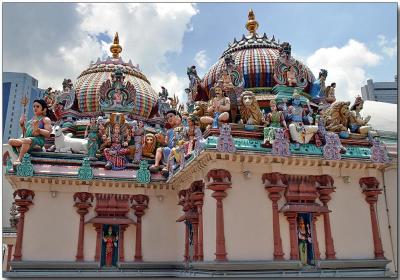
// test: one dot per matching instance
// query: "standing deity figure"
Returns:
(318, 87)
(115, 155)
(218, 107)
(358, 124)
(110, 240)
(162, 153)
(274, 120)
(320, 121)
(34, 131)
(304, 238)
(138, 133)
(299, 132)
(291, 77)
(330, 93)
(91, 133)
(192, 121)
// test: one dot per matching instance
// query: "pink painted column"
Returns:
(198, 197)
(371, 191)
(98, 228)
(9, 254)
(294, 249)
(83, 203)
(141, 203)
(23, 203)
(219, 182)
(314, 237)
(122, 229)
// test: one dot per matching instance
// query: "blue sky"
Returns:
(52, 41)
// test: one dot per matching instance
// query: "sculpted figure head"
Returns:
(149, 145)
(249, 109)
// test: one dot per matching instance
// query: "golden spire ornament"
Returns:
(115, 48)
(252, 24)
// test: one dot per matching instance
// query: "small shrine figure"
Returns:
(34, 131)
(91, 133)
(115, 155)
(200, 142)
(138, 133)
(318, 87)
(274, 120)
(111, 244)
(379, 151)
(281, 143)
(332, 147)
(225, 143)
(218, 107)
(358, 124)
(321, 122)
(299, 132)
(330, 93)
(162, 153)
(304, 239)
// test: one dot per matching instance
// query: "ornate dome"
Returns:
(89, 82)
(255, 55)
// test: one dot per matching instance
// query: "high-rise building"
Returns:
(380, 91)
(16, 86)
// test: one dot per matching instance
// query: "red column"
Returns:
(23, 203)
(142, 202)
(9, 254)
(314, 237)
(122, 229)
(371, 192)
(221, 181)
(274, 195)
(83, 203)
(98, 228)
(198, 202)
(186, 256)
(195, 224)
(324, 196)
(294, 249)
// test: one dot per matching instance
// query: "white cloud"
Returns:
(388, 48)
(346, 66)
(383, 115)
(201, 59)
(147, 33)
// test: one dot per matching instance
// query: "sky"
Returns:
(53, 41)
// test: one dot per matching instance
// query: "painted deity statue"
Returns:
(249, 110)
(330, 93)
(110, 240)
(358, 124)
(138, 133)
(115, 155)
(218, 107)
(299, 132)
(304, 239)
(149, 146)
(91, 133)
(162, 153)
(320, 121)
(190, 133)
(274, 120)
(318, 87)
(34, 131)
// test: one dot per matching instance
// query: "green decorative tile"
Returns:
(25, 169)
(85, 172)
(143, 175)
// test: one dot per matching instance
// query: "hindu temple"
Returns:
(262, 173)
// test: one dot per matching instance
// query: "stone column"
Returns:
(274, 195)
(195, 224)
(9, 254)
(314, 236)
(23, 203)
(325, 188)
(186, 256)
(324, 196)
(82, 203)
(122, 229)
(98, 228)
(198, 202)
(371, 191)
(141, 203)
(294, 248)
(219, 183)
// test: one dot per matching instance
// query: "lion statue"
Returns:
(149, 147)
(200, 110)
(337, 116)
(249, 110)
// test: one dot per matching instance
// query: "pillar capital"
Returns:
(274, 179)
(367, 183)
(219, 176)
(140, 203)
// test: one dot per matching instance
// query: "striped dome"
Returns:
(255, 56)
(89, 81)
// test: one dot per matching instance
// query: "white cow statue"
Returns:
(67, 144)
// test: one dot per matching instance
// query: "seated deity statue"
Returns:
(358, 124)
(34, 131)
(218, 107)
(330, 93)
(299, 132)
(116, 153)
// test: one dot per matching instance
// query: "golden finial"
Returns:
(115, 48)
(252, 24)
